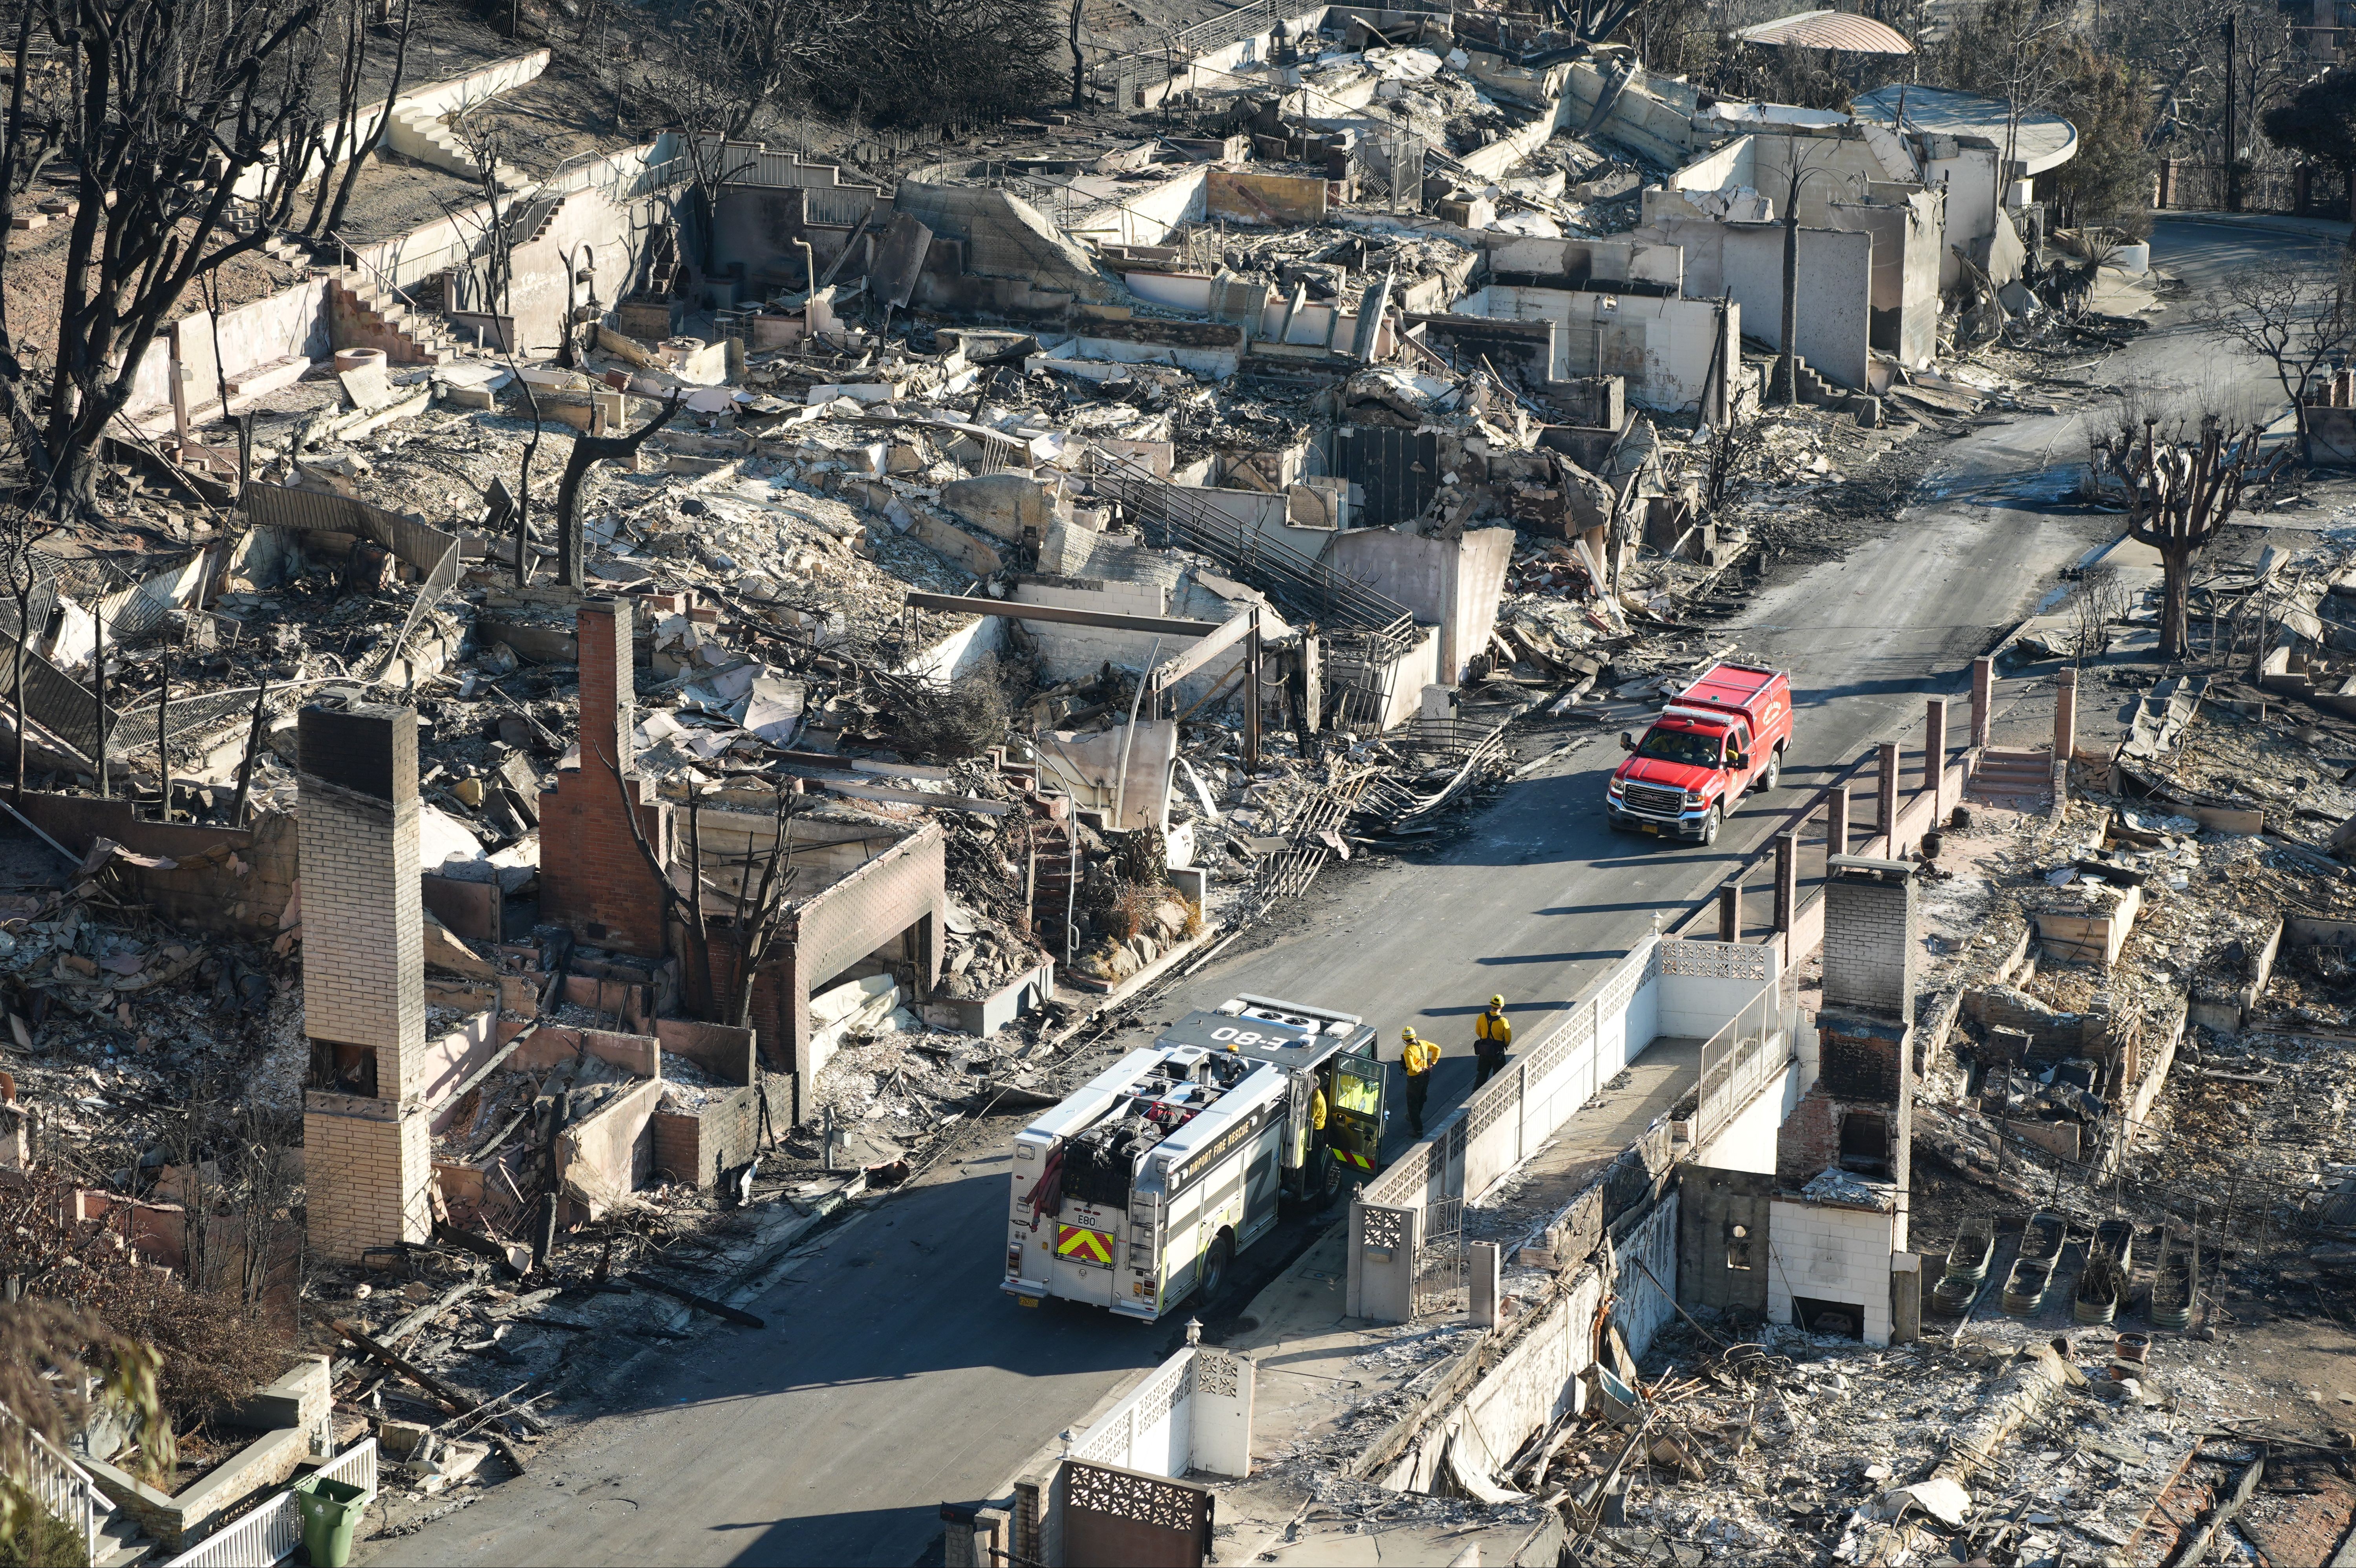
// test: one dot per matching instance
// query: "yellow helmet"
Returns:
(1407, 1035)
(1496, 1002)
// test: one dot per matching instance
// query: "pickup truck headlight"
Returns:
(1612, 788)
(1694, 797)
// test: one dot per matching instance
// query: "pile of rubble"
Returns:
(1804, 1447)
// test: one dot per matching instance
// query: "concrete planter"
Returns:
(290, 1414)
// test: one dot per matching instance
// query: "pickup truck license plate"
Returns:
(1028, 1300)
(1653, 828)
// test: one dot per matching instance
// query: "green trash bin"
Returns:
(331, 1511)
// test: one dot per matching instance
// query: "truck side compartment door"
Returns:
(1354, 1121)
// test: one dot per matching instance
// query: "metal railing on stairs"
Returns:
(355, 257)
(64, 1491)
(1300, 585)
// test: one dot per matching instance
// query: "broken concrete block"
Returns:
(403, 1439)
(1006, 506)
(446, 952)
(834, 1005)
(940, 536)
(458, 1460)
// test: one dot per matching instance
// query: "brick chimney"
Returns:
(368, 1153)
(591, 878)
(609, 698)
(1859, 1113)
(1869, 937)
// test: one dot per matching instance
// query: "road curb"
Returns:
(2279, 223)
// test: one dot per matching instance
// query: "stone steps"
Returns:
(375, 320)
(452, 154)
(121, 1542)
(2013, 772)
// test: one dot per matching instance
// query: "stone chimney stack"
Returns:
(1869, 937)
(368, 1153)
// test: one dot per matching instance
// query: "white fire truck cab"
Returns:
(1139, 1188)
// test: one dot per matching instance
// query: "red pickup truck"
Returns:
(1722, 735)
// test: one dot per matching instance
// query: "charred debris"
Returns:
(1084, 566)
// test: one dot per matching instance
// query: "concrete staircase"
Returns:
(1813, 387)
(2013, 775)
(533, 223)
(419, 132)
(363, 315)
(289, 253)
(121, 1542)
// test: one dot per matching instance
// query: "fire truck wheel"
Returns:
(1329, 1181)
(1214, 1266)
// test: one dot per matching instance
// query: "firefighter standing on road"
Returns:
(1493, 1034)
(1419, 1057)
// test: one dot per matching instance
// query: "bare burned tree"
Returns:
(1807, 164)
(523, 477)
(757, 906)
(1735, 447)
(34, 137)
(587, 452)
(758, 918)
(768, 54)
(340, 163)
(2178, 494)
(178, 123)
(21, 567)
(703, 110)
(2099, 601)
(496, 221)
(2301, 320)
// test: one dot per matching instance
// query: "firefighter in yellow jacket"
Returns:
(1493, 1036)
(1418, 1058)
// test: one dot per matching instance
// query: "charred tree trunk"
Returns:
(2176, 583)
(2179, 494)
(587, 452)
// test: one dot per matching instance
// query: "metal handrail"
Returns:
(387, 284)
(65, 1491)
(1309, 586)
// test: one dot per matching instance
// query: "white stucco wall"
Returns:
(1830, 1255)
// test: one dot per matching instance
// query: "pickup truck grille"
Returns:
(1651, 800)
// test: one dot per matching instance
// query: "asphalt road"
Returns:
(896, 1376)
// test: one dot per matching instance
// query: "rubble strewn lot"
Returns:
(581, 738)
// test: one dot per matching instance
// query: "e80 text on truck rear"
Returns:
(1139, 1188)
(1720, 737)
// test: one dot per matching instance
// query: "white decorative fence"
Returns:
(1192, 1413)
(1723, 993)
(269, 1533)
(63, 1488)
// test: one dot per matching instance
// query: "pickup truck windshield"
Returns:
(1681, 746)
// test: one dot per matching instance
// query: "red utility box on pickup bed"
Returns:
(1722, 735)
